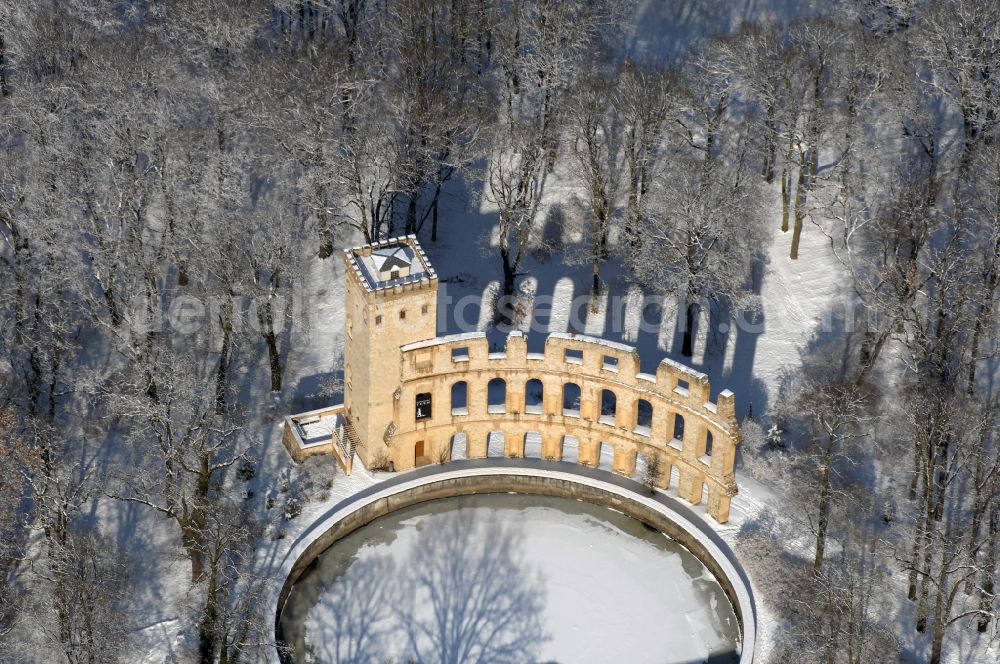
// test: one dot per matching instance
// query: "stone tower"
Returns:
(390, 298)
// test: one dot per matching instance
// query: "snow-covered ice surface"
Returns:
(606, 587)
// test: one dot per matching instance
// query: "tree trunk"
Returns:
(800, 205)
(112, 304)
(275, 361)
(434, 220)
(207, 635)
(598, 249)
(222, 373)
(266, 318)
(770, 146)
(869, 362)
(937, 644)
(411, 212)
(824, 504)
(191, 539)
(54, 364)
(786, 195)
(509, 271)
(687, 345)
(927, 540)
(987, 587)
(326, 239)
(919, 475)
(4, 89)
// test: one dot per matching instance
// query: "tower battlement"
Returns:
(390, 265)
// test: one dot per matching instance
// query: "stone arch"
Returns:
(678, 427)
(609, 405)
(641, 463)
(644, 416)
(533, 397)
(459, 446)
(495, 444)
(606, 457)
(460, 398)
(533, 445)
(571, 399)
(570, 449)
(496, 396)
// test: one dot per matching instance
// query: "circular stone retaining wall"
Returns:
(656, 511)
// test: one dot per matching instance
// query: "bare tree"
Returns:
(541, 48)
(271, 243)
(645, 99)
(704, 234)
(515, 177)
(183, 445)
(962, 47)
(596, 137)
(836, 410)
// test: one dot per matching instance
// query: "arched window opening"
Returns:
(459, 446)
(609, 404)
(678, 427)
(708, 443)
(533, 397)
(533, 445)
(606, 461)
(571, 400)
(496, 396)
(644, 417)
(495, 444)
(460, 398)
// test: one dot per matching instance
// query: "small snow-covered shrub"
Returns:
(753, 449)
(652, 472)
(246, 470)
(293, 508)
(317, 474)
(380, 462)
(284, 480)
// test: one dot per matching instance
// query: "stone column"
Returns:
(718, 502)
(475, 395)
(662, 419)
(690, 488)
(477, 444)
(625, 410)
(552, 396)
(513, 444)
(590, 402)
(551, 447)
(694, 436)
(624, 463)
(589, 451)
(515, 395)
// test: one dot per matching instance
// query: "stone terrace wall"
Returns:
(594, 365)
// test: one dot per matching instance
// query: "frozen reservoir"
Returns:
(509, 578)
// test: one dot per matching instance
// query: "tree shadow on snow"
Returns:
(464, 593)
